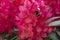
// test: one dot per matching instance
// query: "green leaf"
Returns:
(58, 33)
(53, 36)
(55, 23)
(51, 19)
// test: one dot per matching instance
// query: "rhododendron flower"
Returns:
(7, 16)
(25, 21)
(55, 4)
(30, 26)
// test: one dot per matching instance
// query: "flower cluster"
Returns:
(29, 16)
(7, 15)
(31, 21)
